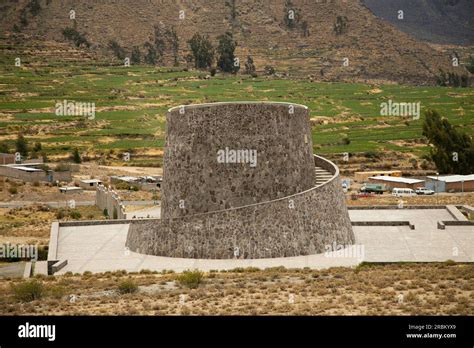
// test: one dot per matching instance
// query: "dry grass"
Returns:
(32, 224)
(39, 192)
(397, 289)
(442, 199)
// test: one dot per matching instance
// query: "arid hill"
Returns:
(439, 21)
(315, 44)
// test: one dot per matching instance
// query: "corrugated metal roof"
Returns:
(453, 178)
(91, 181)
(126, 178)
(70, 188)
(27, 169)
(397, 179)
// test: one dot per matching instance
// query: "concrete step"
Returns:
(322, 175)
(41, 267)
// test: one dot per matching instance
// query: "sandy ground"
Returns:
(98, 170)
(392, 289)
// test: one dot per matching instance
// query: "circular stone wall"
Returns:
(226, 155)
(275, 199)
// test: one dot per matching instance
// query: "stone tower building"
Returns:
(240, 181)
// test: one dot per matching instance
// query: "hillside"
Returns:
(438, 21)
(376, 50)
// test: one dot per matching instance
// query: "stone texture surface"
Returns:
(233, 210)
(279, 132)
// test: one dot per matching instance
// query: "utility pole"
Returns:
(436, 188)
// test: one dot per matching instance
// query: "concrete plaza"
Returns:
(101, 248)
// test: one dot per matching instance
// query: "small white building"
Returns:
(70, 189)
(124, 178)
(391, 182)
(451, 183)
(89, 184)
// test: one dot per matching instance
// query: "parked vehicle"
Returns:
(424, 191)
(373, 188)
(345, 187)
(403, 192)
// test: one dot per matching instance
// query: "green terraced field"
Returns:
(131, 104)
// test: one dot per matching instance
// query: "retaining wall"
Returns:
(301, 224)
(106, 198)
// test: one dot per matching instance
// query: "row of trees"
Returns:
(292, 18)
(203, 53)
(451, 79)
(31, 9)
(23, 147)
(154, 50)
(71, 34)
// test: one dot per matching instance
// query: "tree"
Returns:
(136, 55)
(470, 66)
(118, 50)
(225, 52)
(269, 70)
(452, 151)
(174, 43)
(202, 51)
(250, 67)
(151, 55)
(76, 157)
(451, 79)
(304, 28)
(341, 27)
(35, 7)
(73, 35)
(37, 147)
(4, 148)
(160, 43)
(233, 9)
(21, 145)
(291, 16)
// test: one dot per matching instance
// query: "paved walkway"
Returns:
(152, 213)
(102, 248)
(12, 270)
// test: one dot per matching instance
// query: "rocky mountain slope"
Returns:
(439, 21)
(324, 35)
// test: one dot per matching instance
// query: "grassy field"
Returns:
(131, 104)
(396, 289)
